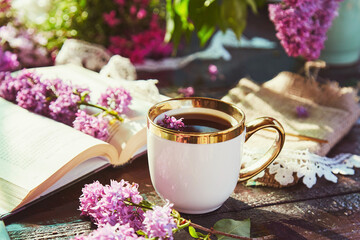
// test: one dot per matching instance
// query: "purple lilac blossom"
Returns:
(5, 5)
(110, 207)
(171, 122)
(110, 18)
(159, 223)
(302, 112)
(187, 92)
(118, 99)
(95, 126)
(11, 85)
(34, 99)
(138, 46)
(8, 61)
(28, 45)
(109, 232)
(213, 70)
(301, 25)
(65, 106)
(91, 195)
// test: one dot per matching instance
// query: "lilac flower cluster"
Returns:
(116, 98)
(106, 204)
(5, 5)
(159, 222)
(116, 232)
(146, 38)
(8, 61)
(302, 112)
(186, 92)
(26, 90)
(301, 25)
(91, 125)
(61, 101)
(117, 210)
(171, 122)
(28, 45)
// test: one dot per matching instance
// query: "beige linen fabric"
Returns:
(332, 110)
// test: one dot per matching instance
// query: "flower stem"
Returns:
(213, 231)
(108, 111)
(138, 205)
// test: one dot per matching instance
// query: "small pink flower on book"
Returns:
(213, 70)
(171, 122)
(302, 112)
(187, 92)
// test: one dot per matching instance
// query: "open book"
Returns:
(39, 155)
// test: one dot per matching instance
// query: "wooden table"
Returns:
(326, 211)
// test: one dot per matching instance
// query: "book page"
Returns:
(144, 94)
(34, 149)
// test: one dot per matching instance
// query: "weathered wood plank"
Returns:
(287, 210)
(327, 218)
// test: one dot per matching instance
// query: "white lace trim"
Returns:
(306, 165)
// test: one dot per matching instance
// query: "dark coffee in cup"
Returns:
(201, 122)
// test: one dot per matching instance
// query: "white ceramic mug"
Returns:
(197, 171)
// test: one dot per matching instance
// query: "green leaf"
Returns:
(234, 14)
(205, 33)
(170, 23)
(252, 4)
(204, 14)
(181, 8)
(240, 228)
(193, 232)
(140, 232)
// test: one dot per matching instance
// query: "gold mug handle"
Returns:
(271, 154)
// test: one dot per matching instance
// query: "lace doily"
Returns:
(305, 165)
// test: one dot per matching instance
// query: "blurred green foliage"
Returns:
(204, 17)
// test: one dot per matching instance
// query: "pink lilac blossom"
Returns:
(95, 126)
(8, 61)
(159, 223)
(65, 106)
(28, 45)
(10, 86)
(301, 25)
(60, 101)
(35, 98)
(120, 2)
(145, 44)
(66, 103)
(187, 92)
(110, 18)
(111, 207)
(213, 70)
(302, 112)
(109, 232)
(141, 14)
(171, 122)
(5, 5)
(118, 99)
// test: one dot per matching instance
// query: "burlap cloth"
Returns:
(332, 112)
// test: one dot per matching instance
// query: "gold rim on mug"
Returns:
(196, 137)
